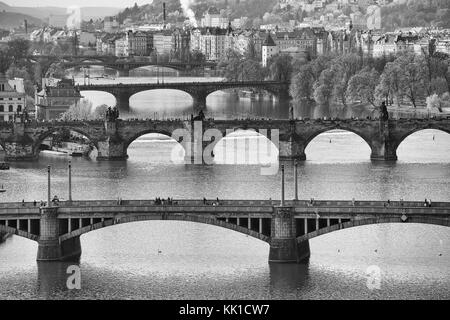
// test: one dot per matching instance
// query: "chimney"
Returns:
(25, 23)
(164, 14)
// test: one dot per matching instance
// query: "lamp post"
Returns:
(296, 179)
(48, 187)
(70, 181)
(282, 186)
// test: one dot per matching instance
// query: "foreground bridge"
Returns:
(199, 91)
(287, 229)
(21, 141)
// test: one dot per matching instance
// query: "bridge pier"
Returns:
(111, 149)
(20, 151)
(49, 246)
(123, 73)
(382, 146)
(283, 244)
(123, 101)
(291, 149)
(199, 100)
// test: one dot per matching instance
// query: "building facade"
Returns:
(12, 98)
(55, 99)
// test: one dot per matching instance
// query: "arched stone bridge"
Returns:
(199, 91)
(286, 229)
(122, 65)
(21, 141)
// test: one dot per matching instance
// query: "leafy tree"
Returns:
(323, 89)
(18, 49)
(81, 111)
(280, 68)
(363, 84)
(100, 112)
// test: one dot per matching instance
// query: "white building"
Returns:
(12, 98)
(269, 49)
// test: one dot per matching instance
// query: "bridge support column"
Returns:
(123, 73)
(283, 244)
(291, 150)
(382, 147)
(49, 246)
(199, 100)
(123, 101)
(113, 147)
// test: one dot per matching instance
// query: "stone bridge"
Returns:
(287, 229)
(21, 141)
(122, 65)
(199, 91)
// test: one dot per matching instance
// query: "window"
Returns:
(2, 108)
(19, 108)
(11, 109)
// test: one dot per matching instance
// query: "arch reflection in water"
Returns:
(337, 146)
(429, 146)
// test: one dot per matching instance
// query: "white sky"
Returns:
(81, 3)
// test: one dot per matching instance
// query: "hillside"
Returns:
(43, 12)
(14, 20)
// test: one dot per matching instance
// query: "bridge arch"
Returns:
(155, 91)
(247, 143)
(407, 134)
(309, 138)
(371, 221)
(41, 137)
(18, 232)
(184, 217)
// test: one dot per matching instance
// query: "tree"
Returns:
(18, 49)
(100, 112)
(323, 89)
(79, 111)
(343, 68)
(56, 71)
(389, 87)
(5, 60)
(280, 67)
(413, 80)
(197, 56)
(363, 84)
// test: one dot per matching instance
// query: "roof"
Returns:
(268, 42)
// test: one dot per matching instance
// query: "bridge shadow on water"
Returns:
(288, 277)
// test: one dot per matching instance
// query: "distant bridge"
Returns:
(21, 141)
(287, 229)
(199, 91)
(123, 65)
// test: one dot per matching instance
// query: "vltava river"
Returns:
(181, 260)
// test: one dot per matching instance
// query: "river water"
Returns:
(181, 260)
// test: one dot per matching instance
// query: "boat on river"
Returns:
(4, 166)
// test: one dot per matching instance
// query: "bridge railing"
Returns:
(229, 202)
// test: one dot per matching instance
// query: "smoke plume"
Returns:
(185, 5)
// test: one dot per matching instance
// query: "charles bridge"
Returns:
(21, 140)
(199, 91)
(286, 226)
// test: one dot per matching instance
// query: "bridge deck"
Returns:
(261, 208)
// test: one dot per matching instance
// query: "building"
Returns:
(110, 24)
(181, 45)
(55, 99)
(212, 42)
(269, 49)
(122, 46)
(212, 19)
(137, 44)
(162, 42)
(12, 98)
